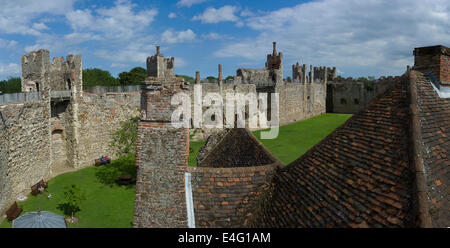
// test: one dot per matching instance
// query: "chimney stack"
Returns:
(274, 48)
(197, 77)
(157, 50)
(220, 73)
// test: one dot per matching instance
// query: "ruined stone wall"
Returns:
(222, 195)
(98, 116)
(299, 101)
(25, 151)
(350, 96)
(203, 133)
(39, 73)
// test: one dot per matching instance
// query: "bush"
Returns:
(108, 173)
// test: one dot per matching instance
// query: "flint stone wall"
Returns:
(98, 116)
(25, 150)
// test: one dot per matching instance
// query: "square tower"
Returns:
(160, 67)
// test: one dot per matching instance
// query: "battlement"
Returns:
(160, 67)
(38, 72)
(318, 74)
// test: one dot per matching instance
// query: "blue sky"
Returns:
(360, 38)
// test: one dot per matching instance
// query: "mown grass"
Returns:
(295, 139)
(106, 205)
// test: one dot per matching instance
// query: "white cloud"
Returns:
(117, 22)
(172, 37)
(189, 3)
(40, 26)
(213, 15)
(180, 62)
(361, 37)
(7, 43)
(172, 15)
(9, 69)
(212, 36)
(16, 16)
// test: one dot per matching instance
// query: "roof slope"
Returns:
(434, 117)
(236, 147)
(358, 176)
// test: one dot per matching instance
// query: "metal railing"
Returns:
(105, 89)
(19, 97)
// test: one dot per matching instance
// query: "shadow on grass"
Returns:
(67, 209)
(108, 173)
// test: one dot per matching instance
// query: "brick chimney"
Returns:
(436, 60)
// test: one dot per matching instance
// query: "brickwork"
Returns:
(435, 59)
(222, 196)
(162, 155)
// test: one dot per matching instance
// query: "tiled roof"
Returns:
(359, 176)
(236, 147)
(434, 117)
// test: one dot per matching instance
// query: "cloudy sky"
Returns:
(360, 38)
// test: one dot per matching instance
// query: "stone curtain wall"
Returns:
(221, 196)
(299, 101)
(98, 116)
(350, 96)
(25, 151)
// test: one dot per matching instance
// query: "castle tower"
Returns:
(160, 67)
(274, 63)
(59, 75)
(162, 153)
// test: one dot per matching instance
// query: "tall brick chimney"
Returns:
(436, 60)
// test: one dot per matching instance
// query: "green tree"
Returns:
(95, 76)
(288, 79)
(124, 139)
(187, 78)
(12, 85)
(229, 77)
(135, 76)
(73, 196)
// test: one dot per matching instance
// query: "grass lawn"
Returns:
(106, 205)
(295, 139)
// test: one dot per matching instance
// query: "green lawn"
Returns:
(110, 205)
(295, 139)
(106, 205)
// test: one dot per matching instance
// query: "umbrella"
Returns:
(39, 219)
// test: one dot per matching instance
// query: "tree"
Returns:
(73, 196)
(288, 79)
(187, 78)
(229, 78)
(124, 139)
(95, 76)
(12, 85)
(135, 76)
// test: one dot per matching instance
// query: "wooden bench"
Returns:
(13, 212)
(34, 188)
(98, 162)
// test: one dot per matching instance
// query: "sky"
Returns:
(360, 38)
